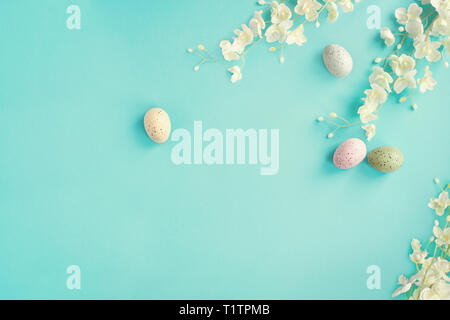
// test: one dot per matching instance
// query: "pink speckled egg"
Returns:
(350, 153)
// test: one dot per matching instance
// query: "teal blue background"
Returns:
(81, 183)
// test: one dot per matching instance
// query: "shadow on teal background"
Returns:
(81, 184)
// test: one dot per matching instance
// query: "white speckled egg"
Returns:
(337, 60)
(350, 153)
(157, 125)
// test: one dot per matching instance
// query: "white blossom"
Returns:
(387, 35)
(380, 77)
(427, 82)
(370, 131)
(365, 115)
(366, 112)
(442, 235)
(376, 95)
(441, 26)
(227, 51)
(296, 36)
(440, 204)
(243, 39)
(437, 270)
(427, 49)
(346, 5)
(431, 281)
(411, 19)
(333, 12)
(309, 8)
(405, 285)
(439, 291)
(280, 12)
(401, 65)
(405, 81)
(257, 24)
(418, 256)
(441, 6)
(236, 74)
(446, 43)
(278, 32)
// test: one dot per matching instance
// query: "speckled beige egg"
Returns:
(157, 125)
(385, 159)
(337, 60)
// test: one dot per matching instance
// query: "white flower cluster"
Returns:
(278, 28)
(428, 27)
(423, 34)
(431, 281)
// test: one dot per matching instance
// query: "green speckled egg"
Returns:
(386, 159)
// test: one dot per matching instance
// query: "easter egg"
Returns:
(157, 125)
(337, 60)
(350, 153)
(385, 159)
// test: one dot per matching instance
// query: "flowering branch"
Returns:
(277, 28)
(426, 29)
(431, 281)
